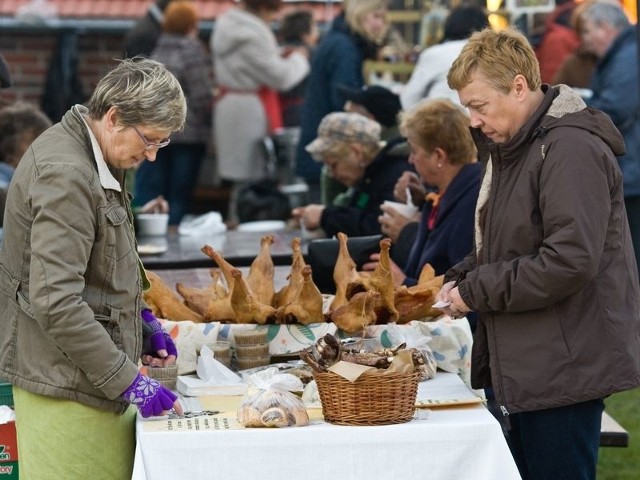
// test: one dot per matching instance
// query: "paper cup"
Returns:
(221, 351)
(407, 211)
(167, 376)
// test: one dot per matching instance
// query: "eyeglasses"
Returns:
(149, 145)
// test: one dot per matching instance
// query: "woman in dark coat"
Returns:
(354, 36)
(348, 144)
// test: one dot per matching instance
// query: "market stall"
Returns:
(459, 442)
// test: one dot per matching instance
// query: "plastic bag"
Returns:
(269, 402)
(419, 341)
(207, 224)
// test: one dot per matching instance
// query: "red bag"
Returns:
(270, 99)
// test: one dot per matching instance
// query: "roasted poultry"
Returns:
(260, 277)
(291, 290)
(219, 289)
(345, 274)
(358, 313)
(306, 308)
(197, 299)
(381, 281)
(165, 303)
(224, 266)
(415, 303)
(245, 307)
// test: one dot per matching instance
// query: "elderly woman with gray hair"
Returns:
(74, 324)
(349, 146)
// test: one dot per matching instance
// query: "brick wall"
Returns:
(28, 55)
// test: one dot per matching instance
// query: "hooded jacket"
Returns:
(554, 275)
(70, 277)
(452, 236)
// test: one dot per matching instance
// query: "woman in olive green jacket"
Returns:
(71, 282)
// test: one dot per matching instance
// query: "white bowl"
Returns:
(152, 224)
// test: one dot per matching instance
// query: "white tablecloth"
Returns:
(455, 443)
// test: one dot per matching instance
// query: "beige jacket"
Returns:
(246, 57)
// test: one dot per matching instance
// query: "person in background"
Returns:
(355, 35)
(558, 40)
(74, 325)
(175, 174)
(142, 38)
(429, 77)
(552, 274)
(20, 124)
(376, 103)
(444, 156)
(297, 29)
(606, 32)
(577, 68)
(382, 105)
(250, 71)
(349, 145)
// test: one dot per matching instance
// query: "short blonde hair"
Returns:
(355, 10)
(438, 123)
(498, 56)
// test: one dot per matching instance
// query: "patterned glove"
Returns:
(151, 397)
(159, 339)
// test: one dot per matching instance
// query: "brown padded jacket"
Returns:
(555, 278)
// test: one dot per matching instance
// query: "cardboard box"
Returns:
(8, 452)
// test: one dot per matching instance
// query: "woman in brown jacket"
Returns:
(553, 274)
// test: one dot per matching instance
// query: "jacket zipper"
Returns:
(497, 165)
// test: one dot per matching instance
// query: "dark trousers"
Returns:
(174, 175)
(557, 443)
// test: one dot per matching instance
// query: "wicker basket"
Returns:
(373, 399)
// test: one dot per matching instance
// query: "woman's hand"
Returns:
(417, 189)
(449, 293)
(160, 349)
(392, 222)
(309, 216)
(157, 205)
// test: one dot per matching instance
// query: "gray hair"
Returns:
(144, 92)
(606, 12)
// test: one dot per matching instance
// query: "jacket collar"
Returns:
(107, 180)
(467, 178)
(512, 149)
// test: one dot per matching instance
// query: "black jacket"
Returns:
(361, 216)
